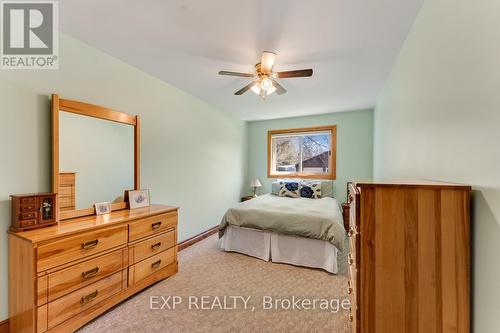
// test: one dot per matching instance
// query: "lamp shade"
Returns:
(255, 183)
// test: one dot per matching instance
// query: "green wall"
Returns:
(193, 155)
(354, 146)
(439, 118)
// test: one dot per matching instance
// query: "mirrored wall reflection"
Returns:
(96, 161)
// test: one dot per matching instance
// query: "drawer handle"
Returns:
(351, 317)
(90, 273)
(90, 244)
(350, 260)
(349, 287)
(156, 225)
(156, 246)
(353, 231)
(89, 298)
(156, 264)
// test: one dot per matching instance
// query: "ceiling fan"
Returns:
(266, 83)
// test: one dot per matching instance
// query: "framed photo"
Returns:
(102, 208)
(138, 199)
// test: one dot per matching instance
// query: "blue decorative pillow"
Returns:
(311, 190)
(289, 189)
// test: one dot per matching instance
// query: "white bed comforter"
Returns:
(311, 218)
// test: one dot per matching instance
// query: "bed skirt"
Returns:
(268, 246)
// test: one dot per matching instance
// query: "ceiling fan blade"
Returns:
(267, 62)
(280, 90)
(295, 73)
(236, 74)
(245, 88)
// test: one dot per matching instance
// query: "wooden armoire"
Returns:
(409, 268)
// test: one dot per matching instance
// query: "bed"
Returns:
(297, 231)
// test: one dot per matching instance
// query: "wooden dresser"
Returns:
(63, 276)
(409, 257)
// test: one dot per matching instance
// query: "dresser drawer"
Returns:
(82, 299)
(353, 275)
(72, 278)
(27, 216)
(148, 266)
(353, 250)
(65, 191)
(28, 201)
(353, 319)
(77, 247)
(152, 246)
(28, 208)
(152, 225)
(66, 202)
(353, 293)
(27, 223)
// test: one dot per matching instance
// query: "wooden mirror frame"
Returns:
(94, 111)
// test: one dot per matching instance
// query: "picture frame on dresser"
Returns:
(139, 198)
(102, 208)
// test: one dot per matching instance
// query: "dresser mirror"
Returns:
(95, 156)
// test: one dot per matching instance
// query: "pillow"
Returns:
(275, 187)
(310, 189)
(289, 189)
(327, 188)
(289, 180)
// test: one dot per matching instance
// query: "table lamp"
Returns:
(255, 183)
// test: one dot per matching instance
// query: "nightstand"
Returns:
(345, 214)
(248, 197)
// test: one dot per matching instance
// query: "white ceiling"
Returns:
(350, 44)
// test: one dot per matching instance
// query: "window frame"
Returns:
(304, 175)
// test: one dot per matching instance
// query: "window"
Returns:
(302, 152)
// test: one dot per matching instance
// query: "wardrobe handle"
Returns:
(156, 264)
(156, 225)
(156, 246)
(349, 287)
(89, 298)
(90, 273)
(350, 260)
(90, 244)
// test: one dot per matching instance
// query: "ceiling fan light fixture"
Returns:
(266, 84)
(256, 88)
(267, 61)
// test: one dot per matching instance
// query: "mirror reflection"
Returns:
(96, 161)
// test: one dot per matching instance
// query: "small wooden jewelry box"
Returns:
(32, 211)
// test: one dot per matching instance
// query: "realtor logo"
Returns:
(29, 35)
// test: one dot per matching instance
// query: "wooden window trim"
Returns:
(304, 175)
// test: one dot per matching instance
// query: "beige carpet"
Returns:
(205, 270)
